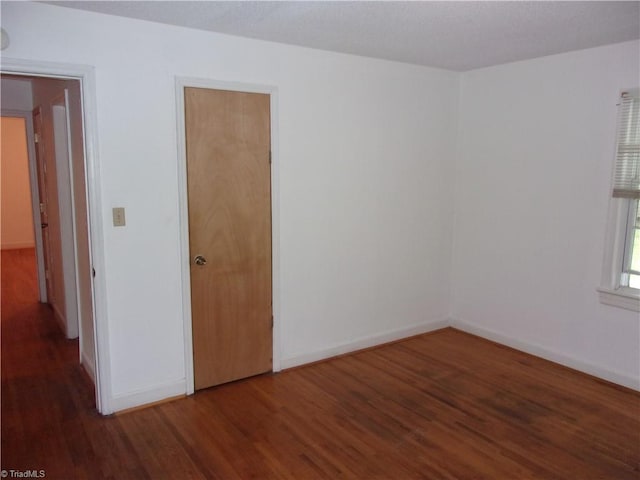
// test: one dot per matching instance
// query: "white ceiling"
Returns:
(455, 35)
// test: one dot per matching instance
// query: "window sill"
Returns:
(623, 297)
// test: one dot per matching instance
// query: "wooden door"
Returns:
(41, 167)
(229, 195)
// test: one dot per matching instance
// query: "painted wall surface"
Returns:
(532, 192)
(364, 168)
(17, 218)
(15, 94)
(83, 257)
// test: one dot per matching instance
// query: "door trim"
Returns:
(62, 100)
(86, 75)
(183, 214)
(35, 196)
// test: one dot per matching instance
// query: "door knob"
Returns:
(200, 260)
(44, 225)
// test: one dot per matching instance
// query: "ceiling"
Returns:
(455, 35)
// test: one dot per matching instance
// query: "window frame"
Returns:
(632, 214)
(614, 289)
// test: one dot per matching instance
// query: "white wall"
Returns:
(63, 173)
(83, 259)
(15, 94)
(17, 217)
(16, 214)
(365, 177)
(533, 176)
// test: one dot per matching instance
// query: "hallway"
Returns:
(47, 398)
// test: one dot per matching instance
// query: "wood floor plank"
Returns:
(445, 405)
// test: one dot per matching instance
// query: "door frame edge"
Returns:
(62, 100)
(183, 213)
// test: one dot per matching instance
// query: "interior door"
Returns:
(41, 167)
(229, 197)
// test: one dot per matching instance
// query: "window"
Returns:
(621, 275)
(631, 264)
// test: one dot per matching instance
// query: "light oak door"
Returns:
(229, 196)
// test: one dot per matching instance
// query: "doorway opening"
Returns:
(51, 109)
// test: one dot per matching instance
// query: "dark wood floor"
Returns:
(441, 406)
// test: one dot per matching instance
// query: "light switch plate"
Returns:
(118, 217)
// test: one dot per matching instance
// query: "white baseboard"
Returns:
(364, 342)
(59, 318)
(17, 245)
(62, 321)
(150, 394)
(178, 387)
(89, 367)
(547, 354)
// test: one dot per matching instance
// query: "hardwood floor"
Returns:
(445, 405)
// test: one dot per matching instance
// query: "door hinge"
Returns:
(42, 208)
(269, 156)
(93, 272)
(271, 321)
(36, 137)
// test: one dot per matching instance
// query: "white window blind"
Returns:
(626, 182)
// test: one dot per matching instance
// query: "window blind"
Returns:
(626, 182)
